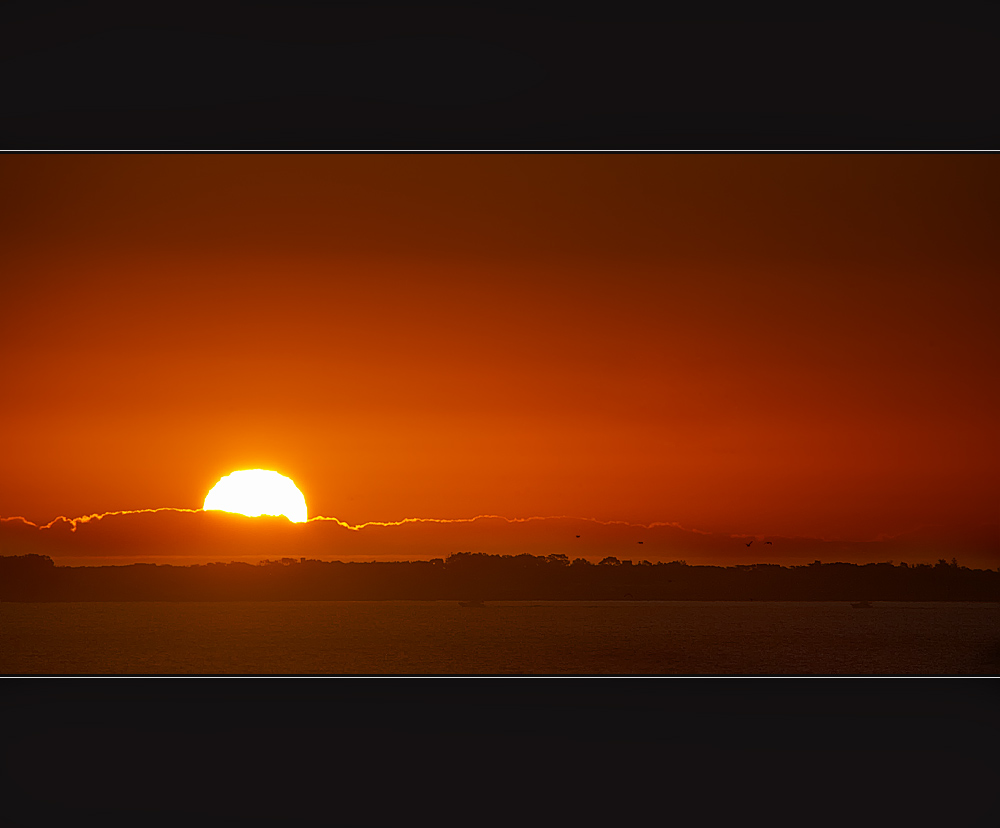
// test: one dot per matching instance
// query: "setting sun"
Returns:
(255, 492)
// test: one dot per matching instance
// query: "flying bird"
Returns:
(768, 542)
(640, 541)
(578, 536)
(749, 543)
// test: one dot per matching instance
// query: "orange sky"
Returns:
(772, 344)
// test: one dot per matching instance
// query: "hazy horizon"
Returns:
(158, 535)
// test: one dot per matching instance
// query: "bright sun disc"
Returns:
(256, 492)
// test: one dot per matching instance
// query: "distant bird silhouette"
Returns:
(749, 543)
(640, 541)
(768, 542)
(578, 536)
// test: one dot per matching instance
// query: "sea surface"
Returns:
(585, 638)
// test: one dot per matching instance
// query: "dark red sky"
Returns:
(773, 344)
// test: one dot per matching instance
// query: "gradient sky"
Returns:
(773, 344)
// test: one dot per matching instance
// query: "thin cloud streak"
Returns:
(359, 526)
(75, 522)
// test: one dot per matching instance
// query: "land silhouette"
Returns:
(477, 577)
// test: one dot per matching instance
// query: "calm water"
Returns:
(511, 637)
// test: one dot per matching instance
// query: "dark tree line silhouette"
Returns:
(485, 577)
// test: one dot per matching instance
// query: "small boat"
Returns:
(862, 605)
(471, 604)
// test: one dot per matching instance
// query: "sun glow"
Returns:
(255, 492)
